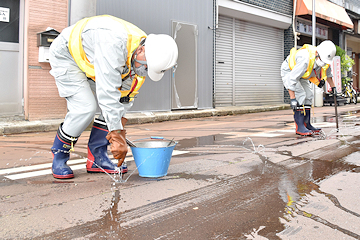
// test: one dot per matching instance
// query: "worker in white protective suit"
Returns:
(110, 57)
(302, 66)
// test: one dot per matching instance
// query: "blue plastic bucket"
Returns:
(152, 158)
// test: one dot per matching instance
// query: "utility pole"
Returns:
(313, 24)
(314, 42)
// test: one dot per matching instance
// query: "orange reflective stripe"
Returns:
(323, 76)
(314, 80)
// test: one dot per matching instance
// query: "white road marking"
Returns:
(324, 124)
(38, 166)
(266, 134)
(76, 164)
(286, 130)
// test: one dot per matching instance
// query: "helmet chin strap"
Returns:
(140, 70)
(142, 43)
(139, 61)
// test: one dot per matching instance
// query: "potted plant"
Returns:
(346, 63)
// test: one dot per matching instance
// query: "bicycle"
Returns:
(349, 92)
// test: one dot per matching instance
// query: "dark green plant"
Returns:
(346, 62)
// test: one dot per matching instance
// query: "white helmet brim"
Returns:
(161, 54)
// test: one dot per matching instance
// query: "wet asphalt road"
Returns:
(234, 177)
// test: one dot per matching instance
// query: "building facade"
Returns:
(332, 22)
(352, 38)
(28, 90)
(230, 51)
(249, 51)
(189, 23)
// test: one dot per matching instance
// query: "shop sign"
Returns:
(336, 72)
(305, 27)
(4, 14)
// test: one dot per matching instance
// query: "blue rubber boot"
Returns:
(299, 118)
(63, 143)
(98, 158)
(307, 120)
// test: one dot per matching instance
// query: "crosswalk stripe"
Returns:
(38, 166)
(76, 164)
(266, 134)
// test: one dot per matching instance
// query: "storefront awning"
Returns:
(325, 10)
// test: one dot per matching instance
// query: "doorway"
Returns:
(184, 79)
(11, 81)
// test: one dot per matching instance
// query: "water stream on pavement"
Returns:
(293, 195)
(289, 187)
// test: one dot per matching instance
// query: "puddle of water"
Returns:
(280, 190)
(269, 194)
(197, 141)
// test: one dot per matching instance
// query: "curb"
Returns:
(16, 127)
(152, 117)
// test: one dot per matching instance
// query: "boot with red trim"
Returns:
(98, 158)
(61, 148)
(299, 118)
(307, 120)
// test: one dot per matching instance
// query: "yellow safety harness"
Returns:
(135, 35)
(312, 53)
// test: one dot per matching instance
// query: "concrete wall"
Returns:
(155, 16)
(80, 9)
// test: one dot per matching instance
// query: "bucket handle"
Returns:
(162, 138)
(155, 137)
(152, 137)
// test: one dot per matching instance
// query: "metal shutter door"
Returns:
(224, 63)
(257, 53)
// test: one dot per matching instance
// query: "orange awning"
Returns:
(325, 10)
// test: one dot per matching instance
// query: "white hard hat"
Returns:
(327, 51)
(161, 54)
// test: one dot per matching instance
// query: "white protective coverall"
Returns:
(104, 42)
(293, 80)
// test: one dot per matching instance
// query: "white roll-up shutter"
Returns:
(248, 59)
(224, 83)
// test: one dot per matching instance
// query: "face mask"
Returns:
(319, 62)
(141, 70)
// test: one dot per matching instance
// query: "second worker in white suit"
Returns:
(302, 66)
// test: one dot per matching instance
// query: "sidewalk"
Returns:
(15, 126)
